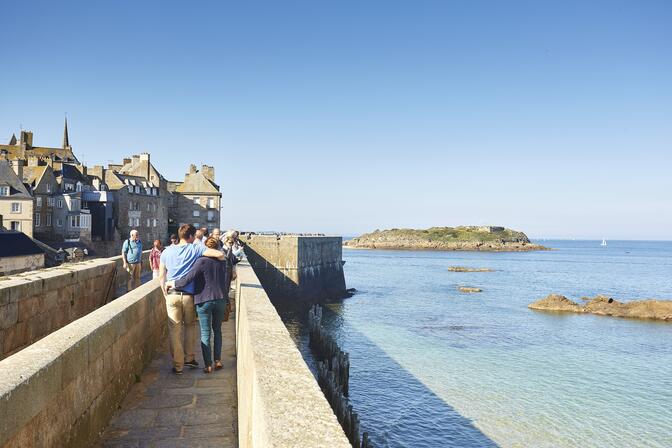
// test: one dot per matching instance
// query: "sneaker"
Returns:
(193, 364)
(177, 372)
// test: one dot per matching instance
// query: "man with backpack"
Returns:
(131, 254)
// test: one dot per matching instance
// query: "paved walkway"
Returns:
(191, 410)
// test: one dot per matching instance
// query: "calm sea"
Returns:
(432, 367)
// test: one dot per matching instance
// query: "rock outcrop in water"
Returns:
(469, 289)
(607, 306)
(464, 238)
(467, 269)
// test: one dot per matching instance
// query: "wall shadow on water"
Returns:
(395, 407)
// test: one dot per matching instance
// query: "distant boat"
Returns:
(604, 242)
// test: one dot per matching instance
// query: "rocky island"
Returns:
(607, 306)
(462, 238)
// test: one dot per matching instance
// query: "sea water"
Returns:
(433, 367)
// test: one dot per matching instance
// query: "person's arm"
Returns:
(195, 272)
(212, 253)
(124, 249)
(162, 277)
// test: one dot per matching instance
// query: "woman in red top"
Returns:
(155, 258)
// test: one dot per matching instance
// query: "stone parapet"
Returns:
(298, 267)
(279, 401)
(63, 389)
(34, 304)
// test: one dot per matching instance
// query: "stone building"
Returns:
(19, 253)
(16, 203)
(196, 200)
(40, 180)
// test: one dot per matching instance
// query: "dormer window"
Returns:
(4, 190)
(69, 187)
(137, 189)
(130, 188)
(79, 186)
(48, 188)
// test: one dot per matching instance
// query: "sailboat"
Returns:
(604, 242)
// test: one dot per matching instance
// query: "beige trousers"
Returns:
(181, 312)
(134, 271)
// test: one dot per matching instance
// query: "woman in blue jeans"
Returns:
(210, 279)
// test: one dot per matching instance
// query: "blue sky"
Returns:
(342, 117)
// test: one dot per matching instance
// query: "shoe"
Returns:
(208, 369)
(193, 364)
(218, 365)
(177, 372)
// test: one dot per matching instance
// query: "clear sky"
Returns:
(554, 118)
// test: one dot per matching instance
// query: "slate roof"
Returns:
(14, 244)
(9, 177)
(33, 174)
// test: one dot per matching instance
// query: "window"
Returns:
(137, 189)
(50, 202)
(148, 223)
(79, 186)
(130, 222)
(211, 202)
(38, 201)
(85, 221)
(211, 215)
(59, 222)
(48, 219)
(60, 203)
(130, 188)
(154, 223)
(48, 188)
(69, 187)
(4, 191)
(16, 207)
(37, 220)
(197, 225)
(15, 225)
(149, 207)
(196, 201)
(197, 213)
(155, 191)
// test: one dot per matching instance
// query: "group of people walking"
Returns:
(195, 273)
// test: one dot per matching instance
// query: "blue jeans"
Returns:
(210, 316)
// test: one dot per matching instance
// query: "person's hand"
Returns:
(170, 284)
(125, 266)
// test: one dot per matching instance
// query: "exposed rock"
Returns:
(463, 238)
(556, 302)
(469, 289)
(467, 269)
(607, 306)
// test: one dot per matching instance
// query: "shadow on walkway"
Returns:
(191, 410)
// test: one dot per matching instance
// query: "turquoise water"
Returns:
(432, 367)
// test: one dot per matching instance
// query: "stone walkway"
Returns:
(191, 410)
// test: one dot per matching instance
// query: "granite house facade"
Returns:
(52, 196)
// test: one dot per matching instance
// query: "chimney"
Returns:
(17, 166)
(97, 171)
(126, 161)
(27, 138)
(81, 168)
(209, 172)
(192, 169)
(144, 156)
(33, 161)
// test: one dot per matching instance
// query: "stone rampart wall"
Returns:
(34, 304)
(297, 267)
(63, 389)
(279, 401)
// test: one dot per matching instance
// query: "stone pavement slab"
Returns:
(192, 410)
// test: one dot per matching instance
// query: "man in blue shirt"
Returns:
(131, 254)
(176, 262)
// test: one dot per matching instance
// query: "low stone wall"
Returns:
(279, 401)
(34, 304)
(63, 389)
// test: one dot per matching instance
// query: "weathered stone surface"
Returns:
(280, 403)
(607, 306)
(9, 315)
